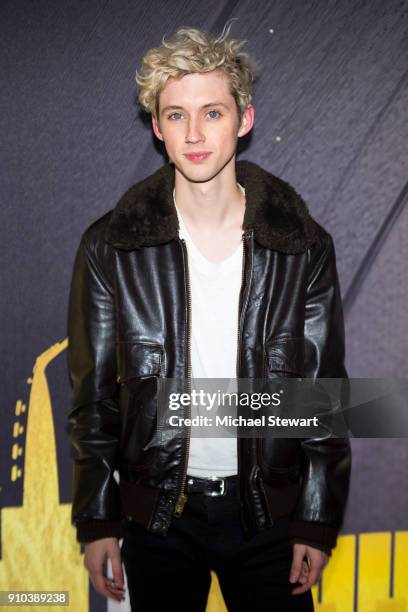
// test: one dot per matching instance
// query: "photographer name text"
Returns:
(240, 421)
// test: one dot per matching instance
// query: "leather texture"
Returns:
(128, 326)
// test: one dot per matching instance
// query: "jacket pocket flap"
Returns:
(285, 355)
(138, 359)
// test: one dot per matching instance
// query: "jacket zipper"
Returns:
(182, 497)
(239, 302)
(239, 337)
(243, 278)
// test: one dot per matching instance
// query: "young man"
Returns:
(210, 267)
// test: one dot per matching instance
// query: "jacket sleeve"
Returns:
(318, 515)
(93, 420)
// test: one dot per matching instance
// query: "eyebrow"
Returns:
(176, 107)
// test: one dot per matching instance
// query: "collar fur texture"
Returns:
(145, 215)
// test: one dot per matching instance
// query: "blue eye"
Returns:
(213, 111)
(173, 115)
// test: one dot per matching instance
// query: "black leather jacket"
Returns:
(129, 315)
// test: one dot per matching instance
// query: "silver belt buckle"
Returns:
(222, 481)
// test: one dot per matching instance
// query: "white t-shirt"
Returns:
(214, 334)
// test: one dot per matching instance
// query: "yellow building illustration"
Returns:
(40, 552)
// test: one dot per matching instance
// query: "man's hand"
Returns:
(307, 571)
(95, 555)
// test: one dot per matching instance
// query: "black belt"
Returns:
(213, 486)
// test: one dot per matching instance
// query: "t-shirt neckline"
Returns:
(206, 264)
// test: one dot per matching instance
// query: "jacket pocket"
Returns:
(279, 459)
(140, 365)
(284, 358)
(139, 360)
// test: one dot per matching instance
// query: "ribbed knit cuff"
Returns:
(318, 535)
(96, 529)
(325, 549)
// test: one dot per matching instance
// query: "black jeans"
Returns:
(173, 572)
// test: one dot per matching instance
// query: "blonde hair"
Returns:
(191, 51)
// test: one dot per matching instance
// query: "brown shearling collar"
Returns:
(145, 215)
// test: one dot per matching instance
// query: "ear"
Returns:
(247, 121)
(156, 129)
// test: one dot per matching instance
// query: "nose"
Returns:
(194, 132)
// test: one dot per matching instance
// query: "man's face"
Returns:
(198, 114)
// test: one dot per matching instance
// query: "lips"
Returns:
(198, 156)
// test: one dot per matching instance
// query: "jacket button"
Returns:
(157, 525)
(170, 499)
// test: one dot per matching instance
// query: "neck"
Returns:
(214, 204)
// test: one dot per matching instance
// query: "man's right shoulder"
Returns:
(92, 243)
(94, 233)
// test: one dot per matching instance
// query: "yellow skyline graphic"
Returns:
(40, 552)
(38, 542)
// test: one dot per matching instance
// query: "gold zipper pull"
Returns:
(180, 504)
